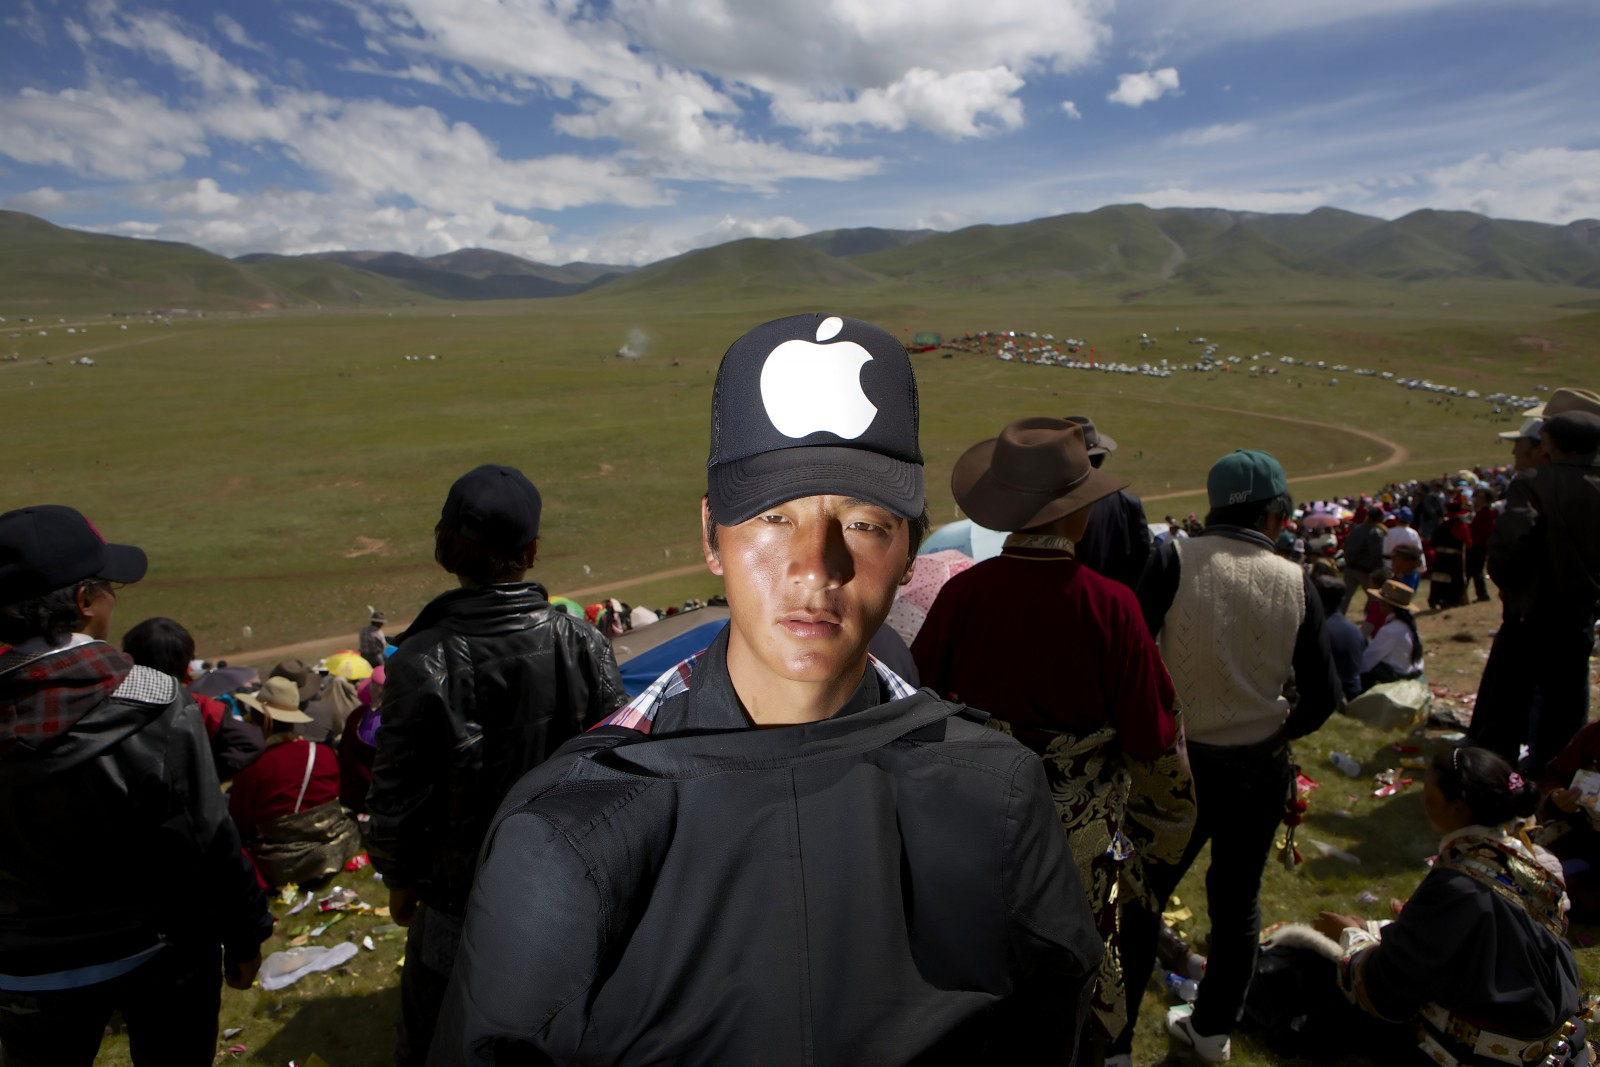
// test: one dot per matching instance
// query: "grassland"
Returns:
(284, 470)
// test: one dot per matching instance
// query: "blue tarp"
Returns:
(641, 670)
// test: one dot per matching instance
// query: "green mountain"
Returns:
(843, 244)
(1126, 249)
(753, 266)
(41, 263)
(476, 273)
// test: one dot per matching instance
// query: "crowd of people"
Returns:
(788, 849)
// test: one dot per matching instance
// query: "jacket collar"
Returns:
(480, 609)
(1238, 533)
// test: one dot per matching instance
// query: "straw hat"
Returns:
(1393, 593)
(278, 700)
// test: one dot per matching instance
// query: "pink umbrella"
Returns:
(1319, 520)
(928, 576)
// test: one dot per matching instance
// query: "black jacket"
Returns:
(1117, 542)
(114, 832)
(1544, 553)
(889, 886)
(487, 682)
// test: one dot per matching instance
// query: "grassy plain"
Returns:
(285, 470)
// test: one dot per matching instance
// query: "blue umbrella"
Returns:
(966, 537)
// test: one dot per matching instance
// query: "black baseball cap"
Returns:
(49, 547)
(814, 404)
(494, 505)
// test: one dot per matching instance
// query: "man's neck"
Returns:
(775, 701)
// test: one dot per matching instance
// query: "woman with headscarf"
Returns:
(1476, 966)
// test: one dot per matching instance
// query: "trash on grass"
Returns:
(288, 893)
(298, 908)
(334, 920)
(355, 863)
(366, 943)
(282, 969)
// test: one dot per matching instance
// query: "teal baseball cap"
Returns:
(1245, 476)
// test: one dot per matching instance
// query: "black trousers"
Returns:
(1477, 557)
(170, 1004)
(1240, 794)
(431, 943)
(1541, 665)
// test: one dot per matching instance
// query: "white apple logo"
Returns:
(809, 387)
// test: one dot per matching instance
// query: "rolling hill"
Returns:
(1128, 250)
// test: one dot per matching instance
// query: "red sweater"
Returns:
(268, 787)
(1038, 640)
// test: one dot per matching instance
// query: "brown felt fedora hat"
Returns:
(1035, 472)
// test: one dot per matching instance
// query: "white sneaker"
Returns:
(1215, 1048)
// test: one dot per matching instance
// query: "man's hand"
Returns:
(1332, 924)
(242, 975)
(403, 905)
(1565, 799)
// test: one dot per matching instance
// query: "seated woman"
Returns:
(1476, 965)
(1569, 822)
(1395, 648)
(286, 804)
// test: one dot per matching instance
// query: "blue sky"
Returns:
(625, 131)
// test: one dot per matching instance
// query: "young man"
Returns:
(120, 872)
(1233, 620)
(780, 853)
(487, 682)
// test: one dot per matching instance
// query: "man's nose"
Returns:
(819, 558)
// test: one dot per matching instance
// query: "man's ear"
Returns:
(713, 558)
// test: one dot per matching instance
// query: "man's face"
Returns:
(808, 583)
(1525, 453)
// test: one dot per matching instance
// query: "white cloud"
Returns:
(202, 197)
(1555, 185)
(1136, 90)
(235, 34)
(1218, 134)
(942, 65)
(105, 132)
(45, 200)
(161, 37)
(1071, 109)
(968, 103)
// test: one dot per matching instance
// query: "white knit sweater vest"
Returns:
(1228, 640)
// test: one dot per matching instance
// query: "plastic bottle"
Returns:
(1346, 763)
(1185, 989)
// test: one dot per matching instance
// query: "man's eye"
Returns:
(869, 527)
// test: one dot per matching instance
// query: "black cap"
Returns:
(814, 404)
(49, 547)
(496, 506)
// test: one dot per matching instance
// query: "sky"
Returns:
(627, 131)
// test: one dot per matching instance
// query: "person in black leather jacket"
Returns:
(120, 871)
(486, 683)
